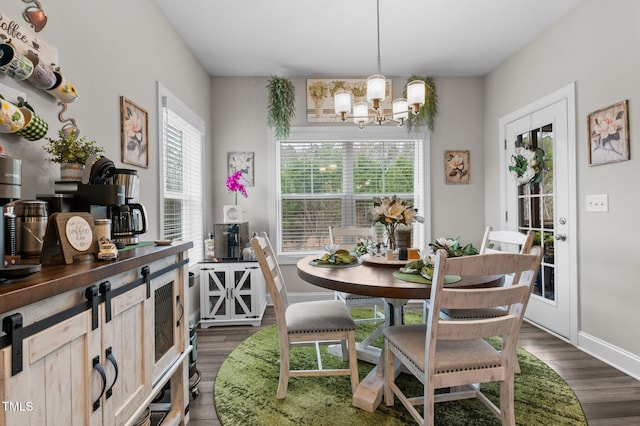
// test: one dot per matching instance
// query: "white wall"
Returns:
(238, 123)
(599, 55)
(107, 49)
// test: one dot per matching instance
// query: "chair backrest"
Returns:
(272, 275)
(506, 241)
(514, 297)
(348, 237)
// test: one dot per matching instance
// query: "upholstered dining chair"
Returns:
(454, 353)
(347, 238)
(305, 323)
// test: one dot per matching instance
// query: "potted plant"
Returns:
(280, 107)
(429, 110)
(71, 152)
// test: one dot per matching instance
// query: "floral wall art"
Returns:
(134, 129)
(609, 134)
(457, 167)
(242, 162)
(320, 107)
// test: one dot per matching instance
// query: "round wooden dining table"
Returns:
(378, 280)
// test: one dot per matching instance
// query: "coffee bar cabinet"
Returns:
(96, 343)
(231, 293)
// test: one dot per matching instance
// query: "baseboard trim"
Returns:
(619, 358)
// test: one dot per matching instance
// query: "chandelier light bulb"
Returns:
(376, 88)
(400, 110)
(360, 113)
(342, 103)
(416, 93)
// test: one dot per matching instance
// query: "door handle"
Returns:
(112, 360)
(561, 237)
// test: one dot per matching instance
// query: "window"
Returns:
(333, 181)
(182, 135)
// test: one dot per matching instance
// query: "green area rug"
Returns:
(245, 391)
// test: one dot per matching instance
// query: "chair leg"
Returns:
(353, 361)
(284, 373)
(389, 374)
(345, 350)
(506, 401)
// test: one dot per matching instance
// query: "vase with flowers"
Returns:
(391, 212)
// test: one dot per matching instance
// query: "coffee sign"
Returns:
(79, 233)
(25, 40)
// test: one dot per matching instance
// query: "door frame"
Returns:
(565, 93)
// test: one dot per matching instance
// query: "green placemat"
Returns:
(419, 279)
(334, 265)
(140, 244)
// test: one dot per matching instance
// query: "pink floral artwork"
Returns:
(609, 134)
(134, 128)
(457, 167)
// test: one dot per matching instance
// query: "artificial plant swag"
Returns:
(280, 107)
(429, 110)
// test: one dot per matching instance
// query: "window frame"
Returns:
(196, 253)
(351, 133)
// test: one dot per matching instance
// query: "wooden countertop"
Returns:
(57, 279)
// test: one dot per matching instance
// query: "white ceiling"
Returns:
(331, 38)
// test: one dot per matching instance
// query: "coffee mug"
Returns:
(11, 118)
(13, 63)
(62, 89)
(42, 76)
(36, 17)
(34, 127)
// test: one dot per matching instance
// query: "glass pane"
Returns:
(547, 212)
(524, 212)
(305, 222)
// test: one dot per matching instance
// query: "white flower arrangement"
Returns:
(525, 165)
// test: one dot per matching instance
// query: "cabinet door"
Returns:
(59, 383)
(215, 293)
(243, 291)
(168, 321)
(128, 356)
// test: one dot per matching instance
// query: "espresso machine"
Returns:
(128, 220)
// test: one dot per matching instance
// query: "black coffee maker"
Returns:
(128, 220)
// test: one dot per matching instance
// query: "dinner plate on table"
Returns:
(356, 262)
(419, 279)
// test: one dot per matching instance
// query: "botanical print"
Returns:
(320, 92)
(243, 162)
(135, 134)
(609, 134)
(457, 167)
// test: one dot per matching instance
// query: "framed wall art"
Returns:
(134, 131)
(457, 167)
(609, 134)
(242, 161)
(320, 107)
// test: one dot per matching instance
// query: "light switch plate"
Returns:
(598, 203)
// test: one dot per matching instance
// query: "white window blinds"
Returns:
(182, 157)
(323, 183)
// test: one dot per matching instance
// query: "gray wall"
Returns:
(238, 123)
(107, 49)
(599, 55)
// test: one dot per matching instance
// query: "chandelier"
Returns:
(376, 92)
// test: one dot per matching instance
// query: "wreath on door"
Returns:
(526, 165)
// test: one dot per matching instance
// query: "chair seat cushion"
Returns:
(451, 355)
(318, 316)
(358, 299)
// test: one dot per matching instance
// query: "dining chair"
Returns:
(305, 323)
(347, 238)
(502, 241)
(454, 354)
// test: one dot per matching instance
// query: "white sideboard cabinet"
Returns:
(231, 293)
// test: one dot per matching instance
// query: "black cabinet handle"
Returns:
(112, 360)
(181, 310)
(100, 370)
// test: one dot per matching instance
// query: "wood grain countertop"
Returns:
(52, 280)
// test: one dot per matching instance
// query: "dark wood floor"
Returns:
(608, 397)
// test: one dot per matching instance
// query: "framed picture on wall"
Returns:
(457, 167)
(134, 133)
(242, 161)
(609, 134)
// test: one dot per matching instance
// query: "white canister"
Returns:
(102, 228)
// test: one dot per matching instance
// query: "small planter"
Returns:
(71, 171)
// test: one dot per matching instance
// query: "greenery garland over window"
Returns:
(280, 106)
(429, 110)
